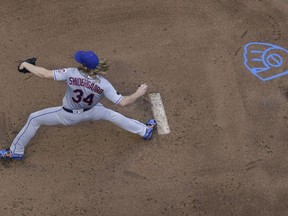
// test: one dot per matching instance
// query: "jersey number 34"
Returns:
(79, 96)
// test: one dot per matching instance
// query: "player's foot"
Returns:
(150, 127)
(7, 154)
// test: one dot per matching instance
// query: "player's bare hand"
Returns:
(142, 89)
(21, 66)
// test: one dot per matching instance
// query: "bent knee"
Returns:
(34, 118)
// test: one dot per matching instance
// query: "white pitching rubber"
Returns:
(159, 113)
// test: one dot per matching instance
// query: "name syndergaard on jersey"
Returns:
(85, 83)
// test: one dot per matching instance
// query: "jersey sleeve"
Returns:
(111, 94)
(61, 74)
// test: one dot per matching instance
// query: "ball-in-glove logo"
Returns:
(266, 61)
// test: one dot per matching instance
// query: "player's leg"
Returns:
(144, 130)
(49, 116)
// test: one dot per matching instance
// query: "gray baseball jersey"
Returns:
(83, 91)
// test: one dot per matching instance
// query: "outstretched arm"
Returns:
(127, 100)
(38, 71)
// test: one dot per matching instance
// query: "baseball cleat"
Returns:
(150, 126)
(7, 154)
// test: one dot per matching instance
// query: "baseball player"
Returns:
(85, 88)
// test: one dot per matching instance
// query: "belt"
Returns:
(76, 111)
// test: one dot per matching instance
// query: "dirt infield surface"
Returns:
(227, 151)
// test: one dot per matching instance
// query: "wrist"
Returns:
(137, 94)
(22, 65)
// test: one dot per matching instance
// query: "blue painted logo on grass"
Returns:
(266, 61)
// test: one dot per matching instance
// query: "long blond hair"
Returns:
(101, 69)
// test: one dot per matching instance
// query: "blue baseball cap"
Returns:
(87, 58)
